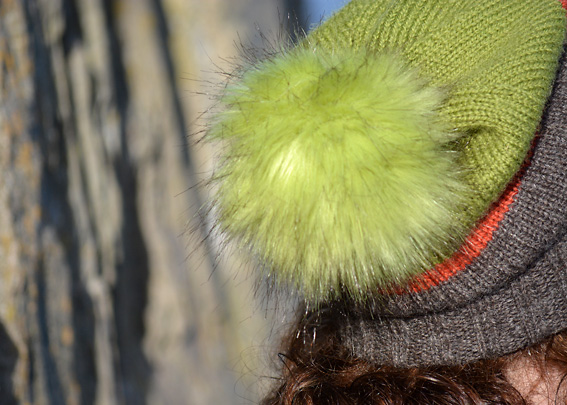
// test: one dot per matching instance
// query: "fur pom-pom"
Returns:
(336, 170)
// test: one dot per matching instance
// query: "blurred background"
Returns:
(105, 296)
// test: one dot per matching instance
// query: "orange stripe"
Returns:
(472, 247)
(476, 241)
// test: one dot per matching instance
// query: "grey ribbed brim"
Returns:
(512, 296)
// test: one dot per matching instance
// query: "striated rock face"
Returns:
(104, 296)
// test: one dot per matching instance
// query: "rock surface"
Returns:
(105, 298)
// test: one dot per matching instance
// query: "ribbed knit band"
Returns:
(514, 294)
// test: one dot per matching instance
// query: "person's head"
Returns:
(317, 368)
(404, 168)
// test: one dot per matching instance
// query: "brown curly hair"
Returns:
(317, 369)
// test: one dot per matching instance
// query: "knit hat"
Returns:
(387, 167)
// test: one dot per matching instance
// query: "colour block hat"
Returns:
(404, 168)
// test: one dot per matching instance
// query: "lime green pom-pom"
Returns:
(336, 171)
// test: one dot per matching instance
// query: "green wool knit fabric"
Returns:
(495, 58)
(366, 154)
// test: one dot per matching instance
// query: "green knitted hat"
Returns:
(364, 155)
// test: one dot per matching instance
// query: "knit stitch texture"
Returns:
(496, 58)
